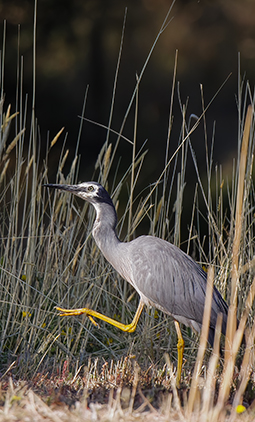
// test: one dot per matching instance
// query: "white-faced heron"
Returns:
(163, 275)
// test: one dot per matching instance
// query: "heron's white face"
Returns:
(89, 191)
(92, 192)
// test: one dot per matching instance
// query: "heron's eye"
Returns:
(90, 188)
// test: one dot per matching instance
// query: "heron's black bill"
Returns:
(69, 188)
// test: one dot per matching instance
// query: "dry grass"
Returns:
(48, 257)
(116, 391)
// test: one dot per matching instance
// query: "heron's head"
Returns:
(92, 192)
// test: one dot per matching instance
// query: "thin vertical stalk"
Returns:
(170, 120)
(116, 78)
(133, 168)
(231, 324)
(131, 192)
(3, 61)
(162, 29)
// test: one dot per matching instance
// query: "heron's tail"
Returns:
(223, 330)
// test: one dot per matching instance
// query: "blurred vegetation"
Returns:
(78, 44)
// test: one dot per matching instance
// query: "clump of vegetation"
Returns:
(48, 258)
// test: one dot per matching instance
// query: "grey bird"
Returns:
(163, 275)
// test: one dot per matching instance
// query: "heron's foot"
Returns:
(130, 328)
(75, 312)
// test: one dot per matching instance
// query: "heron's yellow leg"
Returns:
(180, 349)
(130, 328)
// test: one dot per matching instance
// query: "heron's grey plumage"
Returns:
(167, 278)
(163, 275)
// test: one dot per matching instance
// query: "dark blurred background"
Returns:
(78, 44)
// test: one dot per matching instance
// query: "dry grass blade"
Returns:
(202, 344)
(250, 336)
(54, 140)
(8, 118)
(106, 163)
(209, 387)
(229, 364)
(134, 387)
(3, 172)
(231, 325)
(13, 143)
(177, 402)
(245, 372)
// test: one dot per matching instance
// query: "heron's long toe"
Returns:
(93, 321)
(70, 312)
(79, 311)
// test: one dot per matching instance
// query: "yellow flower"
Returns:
(240, 408)
(15, 398)
(24, 314)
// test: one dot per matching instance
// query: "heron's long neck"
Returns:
(104, 230)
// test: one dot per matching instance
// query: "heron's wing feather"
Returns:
(170, 280)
